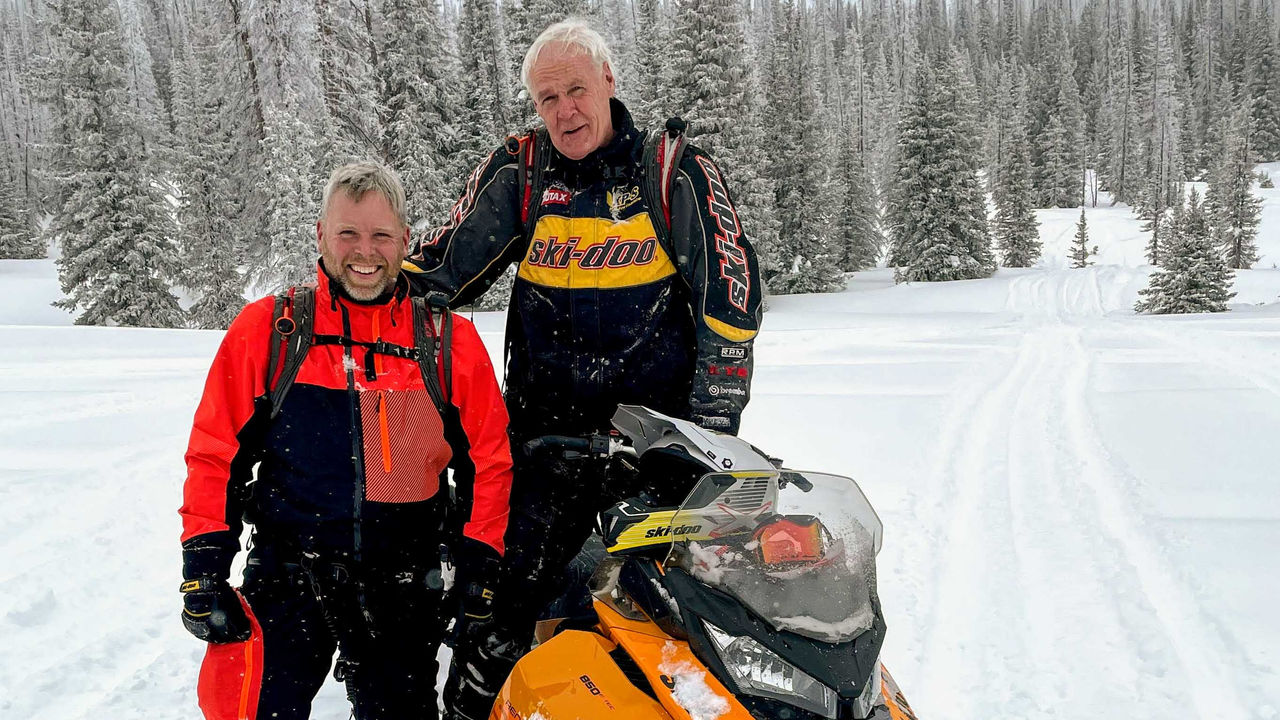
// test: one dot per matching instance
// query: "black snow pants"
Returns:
(383, 620)
(554, 503)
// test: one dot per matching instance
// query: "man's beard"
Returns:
(365, 294)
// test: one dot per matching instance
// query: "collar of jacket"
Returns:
(329, 290)
(619, 159)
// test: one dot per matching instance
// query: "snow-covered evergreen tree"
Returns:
(347, 56)
(421, 104)
(712, 87)
(114, 226)
(1234, 209)
(1264, 84)
(1016, 228)
(291, 182)
(483, 121)
(858, 236)
(1080, 251)
(804, 259)
(17, 238)
(1194, 278)
(938, 215)
(645, 89)
(1153, 212)
(1119, 163)
(208, 201)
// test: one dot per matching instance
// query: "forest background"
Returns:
(170, 153)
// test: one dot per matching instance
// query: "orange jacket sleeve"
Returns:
(483, 417)
(218, 463)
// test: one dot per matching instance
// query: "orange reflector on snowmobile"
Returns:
(787, 541)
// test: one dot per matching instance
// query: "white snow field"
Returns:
(1081, 507)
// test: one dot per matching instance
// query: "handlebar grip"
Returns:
(557, 442)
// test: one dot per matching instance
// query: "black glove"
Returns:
(474, 585)
(211, 611)
(481, 659)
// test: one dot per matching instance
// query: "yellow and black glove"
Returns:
(211, 611)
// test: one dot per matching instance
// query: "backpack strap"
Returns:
(434, 351)
(532, 151)
(663, 152)
(292, 333)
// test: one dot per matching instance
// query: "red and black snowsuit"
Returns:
(602, 312)
(347, 505)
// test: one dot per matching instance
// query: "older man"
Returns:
(635, 285)
(351, 400)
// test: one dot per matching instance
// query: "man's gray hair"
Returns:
(357, 178)
(570, 34)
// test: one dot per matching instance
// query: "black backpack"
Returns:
(293, 334)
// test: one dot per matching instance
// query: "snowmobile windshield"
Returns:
(796, 548)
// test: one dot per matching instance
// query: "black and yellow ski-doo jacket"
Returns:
(603, 310)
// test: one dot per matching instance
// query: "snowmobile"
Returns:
(754, 597)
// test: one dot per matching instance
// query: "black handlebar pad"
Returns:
(557, 442)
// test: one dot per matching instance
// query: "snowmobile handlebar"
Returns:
(595, 445)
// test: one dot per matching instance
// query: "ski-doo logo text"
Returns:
(614, 252)
(661, 532)
(733, 261)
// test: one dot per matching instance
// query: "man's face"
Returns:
(572, 96)
(362, 243)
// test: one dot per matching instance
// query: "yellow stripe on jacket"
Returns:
(595, 253)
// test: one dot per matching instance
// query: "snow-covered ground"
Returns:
(1082, 516)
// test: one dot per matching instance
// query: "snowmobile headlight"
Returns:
(759, 671)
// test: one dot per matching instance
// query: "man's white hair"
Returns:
(570, 34)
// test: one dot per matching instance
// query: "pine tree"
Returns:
(484, 68)
(711, 86)
(804, 259)
(1194, 279)
(208, 201)
(1264, 85)
(17, 241)
(646, 90)
(1120, 167)
(420, 105)
(1016, 227)
(938, 216)
(1234, 209)
(1080, 251)
(1153, 211)
(347, 54)
(291, 183)
(115, 229)
(859, 238)
(1162, 108)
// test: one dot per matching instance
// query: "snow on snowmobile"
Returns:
(755, 597)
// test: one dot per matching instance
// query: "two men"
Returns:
(635, 285)
(351, 399)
